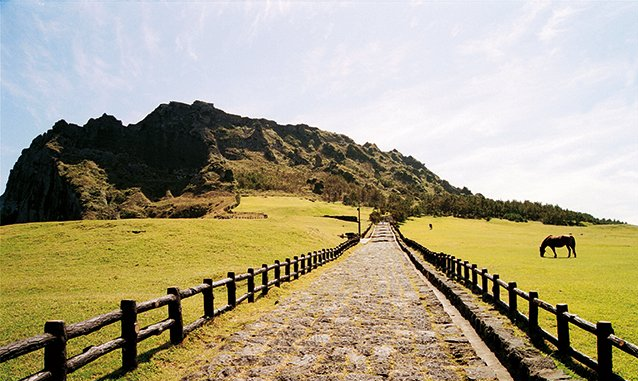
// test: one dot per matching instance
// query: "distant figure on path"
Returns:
(430, 226)
(559, 241)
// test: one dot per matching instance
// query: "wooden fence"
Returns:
(57, 333)
(479, 281)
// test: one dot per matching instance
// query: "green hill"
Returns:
(186, 160)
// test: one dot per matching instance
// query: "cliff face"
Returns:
(106, 170)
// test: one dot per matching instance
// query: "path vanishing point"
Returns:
(372, 317)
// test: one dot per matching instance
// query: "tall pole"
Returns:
(359, 219)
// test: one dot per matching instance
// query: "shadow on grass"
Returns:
(567, 361)
(145, 357)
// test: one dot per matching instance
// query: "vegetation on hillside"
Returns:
(479, 207)
(400, 208)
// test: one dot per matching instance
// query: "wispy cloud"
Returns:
(556, 24)
(499, 41)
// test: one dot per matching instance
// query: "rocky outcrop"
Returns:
(107, 170)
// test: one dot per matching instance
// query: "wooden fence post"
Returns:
(496, 289)
(605, 361)
(264, 280)
(474, 278)
(484, 282)
(450, 266)
(209, 299)
(55, 352)
(175, 313)
(129, 330)
(533, 314)
(251, 285)
(512, 302)
(466, 272)
(459, 269)
(277, 273)
(296, 267)
(562, 328)
(303, 264)
(287, 270)
(231, 288)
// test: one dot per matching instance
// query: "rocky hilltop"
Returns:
(189, 160)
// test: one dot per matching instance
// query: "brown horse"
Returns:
(559, 241)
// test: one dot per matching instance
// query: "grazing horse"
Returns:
(559, 241)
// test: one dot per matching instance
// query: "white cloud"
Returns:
(500, 40)
(556, 24)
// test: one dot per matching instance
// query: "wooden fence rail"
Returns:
(469, 274)
(57, 364)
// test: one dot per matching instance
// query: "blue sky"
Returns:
(515, 100)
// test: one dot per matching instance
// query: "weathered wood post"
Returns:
(310, 258)
(496, 289)
(466, 272)
(605, 361)
(55, 352)
(533, 314)
(474, 278)
(315, 261)
(562, 328)
(129, 330)
(264, 280)
(231, 289)
(277, 273)
(450, 266)
(484, 282)
(287, 270)
(296, 267)
(512, 302)
(209, 299)
(175, 313)
(250, 284)
(303, 264)
(459, 269)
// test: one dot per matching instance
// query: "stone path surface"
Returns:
(371, 317)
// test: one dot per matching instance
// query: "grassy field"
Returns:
(600, 284)
(76, 270)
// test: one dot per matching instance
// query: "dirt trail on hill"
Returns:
(372, 317)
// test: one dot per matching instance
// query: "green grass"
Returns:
(76, 270)
(600, 284)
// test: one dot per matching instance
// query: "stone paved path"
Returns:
(372, 317)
